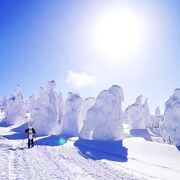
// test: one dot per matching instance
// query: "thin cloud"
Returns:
(80, 79)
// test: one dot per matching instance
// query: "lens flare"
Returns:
(62, 141)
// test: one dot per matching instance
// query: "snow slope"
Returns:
(159, 161)
(134, 158)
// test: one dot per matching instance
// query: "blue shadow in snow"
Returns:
(97, 150)
(3, 123)
(141, 133)
(21, 129)
(15, 136)
(178, 147)
(53, 140)
(19, 133)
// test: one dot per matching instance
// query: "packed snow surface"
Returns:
(62, 157)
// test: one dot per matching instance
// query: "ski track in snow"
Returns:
(49, 163)
(4, 162)
(66, 162)
(155, 165)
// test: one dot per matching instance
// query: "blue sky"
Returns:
(41, 40)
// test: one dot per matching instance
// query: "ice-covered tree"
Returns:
(137, 115)
(46, 110)
(146, 112)
(14, 108)
(1, 104)
(170, 126)
(157, 111)
(70, 124)
(104, 119)
(155, 119)
(85, 105)
(18, 93)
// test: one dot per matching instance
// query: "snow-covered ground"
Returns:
(134, 158)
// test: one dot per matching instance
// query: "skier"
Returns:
(30, 131)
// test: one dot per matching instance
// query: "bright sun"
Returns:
(118, 34)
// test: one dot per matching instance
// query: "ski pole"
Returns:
(23, 143)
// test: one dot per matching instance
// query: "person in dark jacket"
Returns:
(30, 131)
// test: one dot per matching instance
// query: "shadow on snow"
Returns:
(53, 140)
(15, 136)
(97, 150)
(141, 133)
(3, 123)
(19, 133)
(178, 147)
(21, 129)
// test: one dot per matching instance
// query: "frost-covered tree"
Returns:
(0, 104)
(155, 119)
(170, 126)
(14, 108)
(146, 112)
(18, 93)
(104, 119)
(157, 111)
(46, 110)
(137, 115)
(3, 105)
(70, 124)
(85, 105)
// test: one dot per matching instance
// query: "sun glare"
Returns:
(118, 34)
